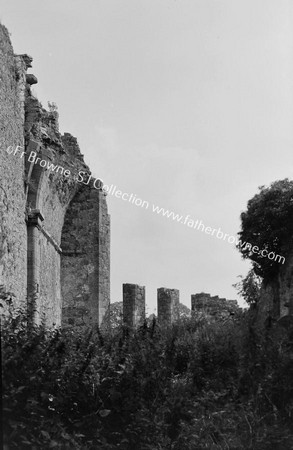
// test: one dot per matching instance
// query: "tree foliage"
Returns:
(249, 287)
(268, 224)
(116, 314)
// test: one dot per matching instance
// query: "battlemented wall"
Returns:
(203, 304)
(44, 209)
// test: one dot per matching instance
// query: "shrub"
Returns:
(194, 385)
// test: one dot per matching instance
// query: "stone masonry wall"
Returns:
(133, 305)
(48, 195)
(276, 297)
(36, 198)
(205, 304)
(64, 202)
(168, 304)
(104, 258)
(286, 287)
(85, 260)
(12, 193)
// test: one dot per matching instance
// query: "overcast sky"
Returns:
(187, 104)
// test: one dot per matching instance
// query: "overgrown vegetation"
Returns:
(268, 223)
(249, 287)
(197, 385)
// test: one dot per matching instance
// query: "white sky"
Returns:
(186, 103)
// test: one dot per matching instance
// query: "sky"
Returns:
(188, 104)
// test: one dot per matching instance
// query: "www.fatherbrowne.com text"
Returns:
(87, 179)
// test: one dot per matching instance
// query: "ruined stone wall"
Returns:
(85, 260)
(133, 305)
(276, 296)
(104, 257)
(49, 193)
(208, 306)
(38, 193)
(74, 236)
(12, 193)
(203, 305)
(168, 305)
(286, 287)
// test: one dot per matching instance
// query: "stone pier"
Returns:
(168, 305)
(133, 305)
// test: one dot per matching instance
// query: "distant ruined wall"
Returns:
(205, 304)
(169, 308)
(40, 205)
(13, 239)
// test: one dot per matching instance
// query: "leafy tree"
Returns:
(249, 287)
(268, 224)
(183, 311)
